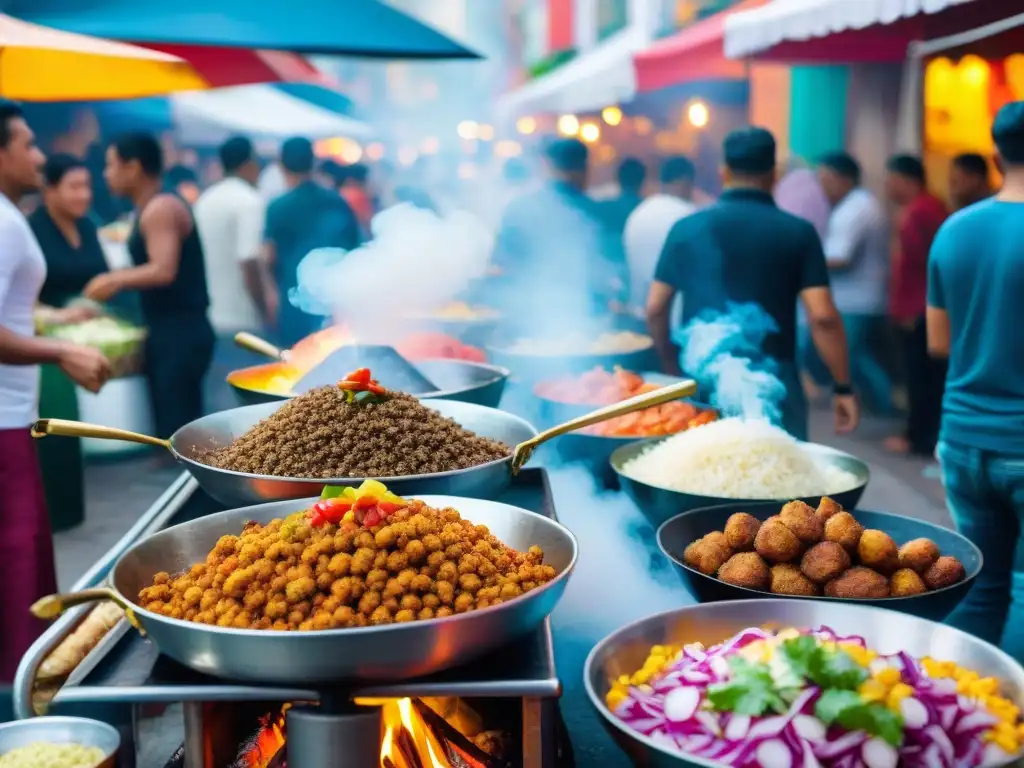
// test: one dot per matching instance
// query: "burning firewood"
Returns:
(460, 751)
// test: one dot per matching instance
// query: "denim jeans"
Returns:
(870, 377)
(985, 495)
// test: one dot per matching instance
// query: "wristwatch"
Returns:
(842, 390)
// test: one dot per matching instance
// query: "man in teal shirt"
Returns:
(306, 217)
(975, 285)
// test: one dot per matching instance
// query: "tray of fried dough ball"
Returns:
(741, 551)
(360, 584)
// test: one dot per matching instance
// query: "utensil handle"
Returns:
(637, 403)
(52, 606)
(259, 346)
(67, 428)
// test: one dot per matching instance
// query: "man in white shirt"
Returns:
(26, 546)
(648, 226)
(230, 217)
(857, 250)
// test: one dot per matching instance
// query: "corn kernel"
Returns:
(1020, 731)
(872, 690)
(1008, 745)
(623, 680)
(898, 693)
(987, 686)
(889, 676)
(614, 699)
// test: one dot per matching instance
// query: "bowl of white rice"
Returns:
(731, 460)
(58, 742)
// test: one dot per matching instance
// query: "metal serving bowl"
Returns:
(532, 368)
(658, 504)
(461, 380)
(62, 730)
(390, 652)
(241, 488)
(676, 534)
(624, 651)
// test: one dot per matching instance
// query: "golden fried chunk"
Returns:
(776, 543)
(906, 582)
(745, 569)
(827, 508)
(707, 554)
(802, 520)
(877, 550)
(787, 579)
(740, 531)
(824, 561)
(858, 583)
(919, 555)
(944, 572)
(843, 529)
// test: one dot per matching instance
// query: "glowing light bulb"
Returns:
(351, 152)
(568, 125)
(698, 114)
(375, 151)
(526, 125)
(485, 132)
(467, 129)
(611, 115)
(590, 133)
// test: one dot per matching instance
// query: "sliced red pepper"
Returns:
(316, 519)
(365, 502)
(372, 518)
(375, 388)
(352, 386)
(339, 503)
(388, 507)
(362, 375)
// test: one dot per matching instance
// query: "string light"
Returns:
(590, 133)
(467, 129)
(485, 132)
(351, 152)
(611, 115)
(375, 151)
(568, 125)
(698, 114)
(508, 148)
(526, 125)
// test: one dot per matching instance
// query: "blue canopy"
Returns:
(333, 27)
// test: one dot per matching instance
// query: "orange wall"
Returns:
(769, 100)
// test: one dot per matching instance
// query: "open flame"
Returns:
(410, 741)
(267, 743)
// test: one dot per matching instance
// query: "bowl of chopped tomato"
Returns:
(566, 397)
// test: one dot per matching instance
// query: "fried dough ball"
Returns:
(906, 582)
(287, 575)
(776, 543)
(858, 583)
(827, 508)
(919, 555)
(824, 561)
(787, 579)
(944, 572)
(877, 550)
(718, 537)
(740, 531)
(707, 554)
(843, 529)
(802, 520)
(745, 569)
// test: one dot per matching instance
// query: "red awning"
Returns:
(692, 54)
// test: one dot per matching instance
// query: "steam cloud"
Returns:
(722, 351)
(416, 263)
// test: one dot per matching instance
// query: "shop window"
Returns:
(677, 14)
(612, 15)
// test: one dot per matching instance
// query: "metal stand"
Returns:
(195, 740)
(338, 736)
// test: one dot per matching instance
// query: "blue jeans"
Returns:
(985, 495)
(870, 378)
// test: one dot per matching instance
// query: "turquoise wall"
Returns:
(817, 110)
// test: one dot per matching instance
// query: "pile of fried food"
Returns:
(359, 557)
(809, 552)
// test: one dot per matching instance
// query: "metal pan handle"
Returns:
(66, 428)
(647, 400)
(52, 606)
(260, 346)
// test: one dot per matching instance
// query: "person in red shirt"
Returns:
(354, 188)
(919, 216)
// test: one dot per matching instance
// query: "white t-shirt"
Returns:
(22, 272)
(230, 217)
(646, 230)
(858, 238)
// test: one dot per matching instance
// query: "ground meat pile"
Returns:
(421, 563)
(320, 434)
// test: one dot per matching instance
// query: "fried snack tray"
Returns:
(127, 668)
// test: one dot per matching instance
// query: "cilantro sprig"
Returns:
(750, 690)
(850, 711)
(825, 667)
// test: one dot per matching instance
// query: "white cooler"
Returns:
(122, 403)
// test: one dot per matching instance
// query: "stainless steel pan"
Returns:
(389, 652)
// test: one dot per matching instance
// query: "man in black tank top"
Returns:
(170, 276)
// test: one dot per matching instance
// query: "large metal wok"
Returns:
(379, 653)
(242, 488)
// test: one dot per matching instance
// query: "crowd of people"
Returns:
(830, 263)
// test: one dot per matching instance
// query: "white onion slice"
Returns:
(681, 703)
(879, 754)
(774, 754)
(914, 713)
